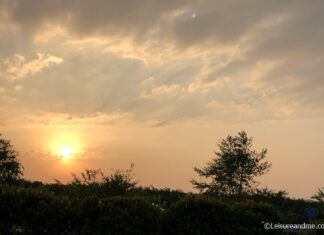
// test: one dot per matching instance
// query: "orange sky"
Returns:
(158, 83)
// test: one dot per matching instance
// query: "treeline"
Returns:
(37, 208)
(38, 211)
(98, 203)
(163, 197)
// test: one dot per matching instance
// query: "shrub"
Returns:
(37, 212)
(211, 216)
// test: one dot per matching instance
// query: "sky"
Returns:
(159, 83)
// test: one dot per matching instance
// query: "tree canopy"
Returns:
(319, 196)
(10, 167)
(234, 168)
(117, 183)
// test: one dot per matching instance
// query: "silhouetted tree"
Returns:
(120, 181)
(117, 183)
(234, 168)
(88, 177)
(10, 168)
(319, 196)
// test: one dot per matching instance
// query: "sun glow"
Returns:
(65, 152)
(65, 146)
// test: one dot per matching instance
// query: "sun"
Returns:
(65, 152)
(65, 146)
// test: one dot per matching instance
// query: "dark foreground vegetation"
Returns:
(95, 203)
(35, 208)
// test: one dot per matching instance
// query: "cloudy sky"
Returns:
(158, 83)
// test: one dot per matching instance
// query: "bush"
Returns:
(119, 216)
(211, 216)
(37, 212)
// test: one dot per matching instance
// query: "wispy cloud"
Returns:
(196, 51)
(17, 67)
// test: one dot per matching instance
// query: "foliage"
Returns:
(37, 208)
(36, 212)
(95, 203)
(234, 168)
(10, 167)
(119, 182)
(163, 197)
(319, 196)
(269, 196)
(88, 177)
(210, 216)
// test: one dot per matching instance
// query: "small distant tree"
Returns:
(120, 181)
(88, 177)
(10, 167)
(234, 168)
(116, 183)
(319, 196)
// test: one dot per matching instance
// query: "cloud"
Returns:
(197, 52)
(54, 124)
(205, 85)
(150, 90)
(161, 123)
(163, 90)
(19, 88)
(63, 119)
(2, 90)
(16, 67)
(101, 17)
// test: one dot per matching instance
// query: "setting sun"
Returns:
(65, 152)
(65, 146)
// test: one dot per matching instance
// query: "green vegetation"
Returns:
(233, 169)
(98, 203)
(10, 168)
(319, 196)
